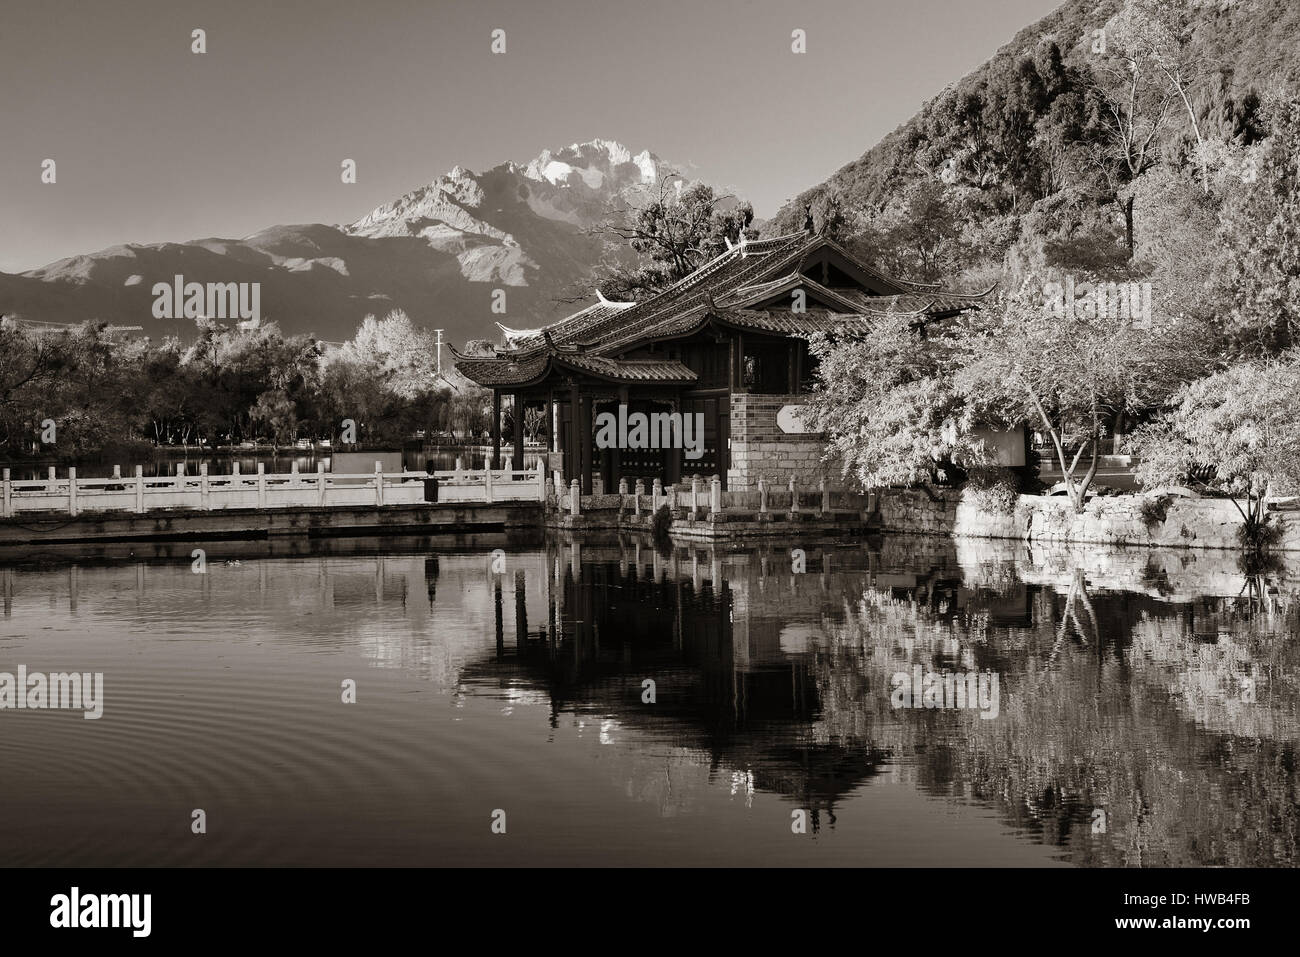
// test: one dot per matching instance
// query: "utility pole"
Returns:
(439, 332)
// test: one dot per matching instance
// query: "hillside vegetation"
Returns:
(1067, 147)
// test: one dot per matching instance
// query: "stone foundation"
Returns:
(758, 446)
(1106, 520)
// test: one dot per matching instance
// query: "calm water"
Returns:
(1147, 707)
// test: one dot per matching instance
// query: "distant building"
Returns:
(728, 341)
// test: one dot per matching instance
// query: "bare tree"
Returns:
(1135, 103)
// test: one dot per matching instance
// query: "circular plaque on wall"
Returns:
(789, 419)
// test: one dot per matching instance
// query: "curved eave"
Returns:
(575, 368)
(720, 319)
(556, 364)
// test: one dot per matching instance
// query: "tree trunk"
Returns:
(1127, 206)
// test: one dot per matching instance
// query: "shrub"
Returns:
(1155, 509)
(1259, 534)
(661, 524)
(994, 490)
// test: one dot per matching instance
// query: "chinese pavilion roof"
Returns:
(730, 290)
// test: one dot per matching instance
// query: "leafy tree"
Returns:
(1072, 375)
(887, 403)
(398, 351)
(919, 236)
(29, 365)
(1236, 432)
(1259, 233)
(1160, 33)
(1134, 105)
(274, 413)
(674, 229)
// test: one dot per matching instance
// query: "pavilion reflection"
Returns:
(785, 675)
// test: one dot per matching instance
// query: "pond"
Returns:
(596, 701)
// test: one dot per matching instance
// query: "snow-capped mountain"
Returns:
(438, 252)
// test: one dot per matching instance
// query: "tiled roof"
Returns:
(784, 323)
(760, 292)
(737, 266)
(632, 370)
(503, 371)
(745, 275)
(499, 372)
(936, 302)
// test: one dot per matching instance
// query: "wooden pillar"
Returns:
(739, 384)
(617, 456)
(552, 440)
(673, 457)
(519, 406)
(573, 440)
(495, 462)
(584, 438)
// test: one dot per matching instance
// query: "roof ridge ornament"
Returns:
(610, 302)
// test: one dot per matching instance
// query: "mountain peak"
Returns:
(596, 164)
(435, 252)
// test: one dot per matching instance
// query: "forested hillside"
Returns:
(1071, 146)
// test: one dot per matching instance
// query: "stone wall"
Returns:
(1108, 520)
(759, 446)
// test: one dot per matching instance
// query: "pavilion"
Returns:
(730, 341)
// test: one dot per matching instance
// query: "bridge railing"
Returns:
(73, 495)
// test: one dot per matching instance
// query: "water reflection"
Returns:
(1150, 725)
(628, 705)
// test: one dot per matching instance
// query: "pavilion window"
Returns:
(766, 368)
(809, 362)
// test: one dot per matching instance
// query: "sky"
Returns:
(155, 143)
